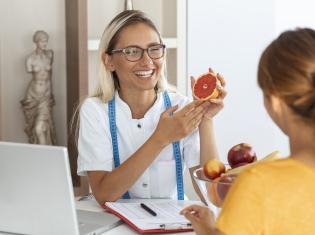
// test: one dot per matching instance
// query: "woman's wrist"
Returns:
(206, 122)
(159, 140)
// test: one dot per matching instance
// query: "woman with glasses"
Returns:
(135, 137)
(276, 197)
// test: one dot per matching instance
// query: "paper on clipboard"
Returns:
(167, 215)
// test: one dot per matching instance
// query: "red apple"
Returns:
(213, 168)
(241, 154)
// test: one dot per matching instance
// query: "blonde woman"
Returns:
(134, 136)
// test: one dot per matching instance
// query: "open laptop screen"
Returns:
(36, 195)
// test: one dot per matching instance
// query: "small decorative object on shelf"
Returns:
(128, 5)
(39, 100)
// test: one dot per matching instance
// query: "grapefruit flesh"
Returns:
(205, 87)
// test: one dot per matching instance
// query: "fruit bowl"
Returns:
(214, 191)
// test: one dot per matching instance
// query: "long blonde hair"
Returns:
(107, 80)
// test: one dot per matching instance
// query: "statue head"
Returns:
(40, 38)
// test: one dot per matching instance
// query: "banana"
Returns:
(237, 170)
(270, 157)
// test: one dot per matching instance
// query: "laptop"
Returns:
(36, 194)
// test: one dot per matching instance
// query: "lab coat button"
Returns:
(144, 185)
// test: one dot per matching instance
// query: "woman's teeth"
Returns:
(144, 74)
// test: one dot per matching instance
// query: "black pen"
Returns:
(148, 209)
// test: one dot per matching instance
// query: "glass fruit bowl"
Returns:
(214, 191)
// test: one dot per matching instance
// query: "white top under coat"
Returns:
(96, 152)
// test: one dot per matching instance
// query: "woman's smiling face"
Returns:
(142, 74)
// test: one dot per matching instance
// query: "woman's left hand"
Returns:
(201, 218)
(215, 105)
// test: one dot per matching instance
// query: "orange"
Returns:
(205, 87)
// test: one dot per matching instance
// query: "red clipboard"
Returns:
(177, 229)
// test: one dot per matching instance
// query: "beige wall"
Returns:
(19, 20)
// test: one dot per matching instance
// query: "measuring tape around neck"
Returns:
(176, 147)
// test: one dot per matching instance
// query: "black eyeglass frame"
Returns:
(123, 50)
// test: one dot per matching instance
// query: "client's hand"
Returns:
(201, 218)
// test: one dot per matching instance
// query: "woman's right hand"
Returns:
(202, 219)
(175, 126)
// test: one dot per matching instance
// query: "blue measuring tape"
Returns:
(176, 148)
(113, 132)
(177, 156)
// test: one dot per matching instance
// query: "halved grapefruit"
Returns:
(205, 87)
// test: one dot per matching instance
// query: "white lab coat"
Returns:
(96, 152)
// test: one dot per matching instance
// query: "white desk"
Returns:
(91, 205)
(124, 229)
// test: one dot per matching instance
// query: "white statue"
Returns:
(39, 100)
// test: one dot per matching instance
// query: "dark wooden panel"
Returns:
(77, 69)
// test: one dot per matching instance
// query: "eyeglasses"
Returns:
(135, 53)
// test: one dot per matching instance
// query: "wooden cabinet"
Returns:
(77, 76)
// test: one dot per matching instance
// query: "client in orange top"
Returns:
(276, 197)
